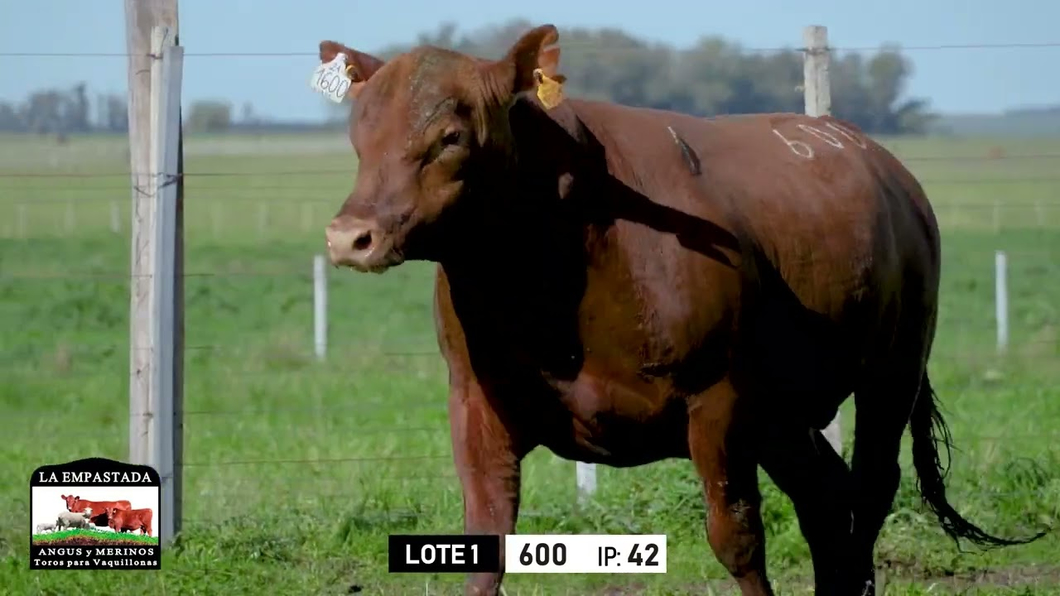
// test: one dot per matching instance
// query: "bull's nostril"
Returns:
(363, 241)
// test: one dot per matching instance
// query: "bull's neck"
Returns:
(521, 222)
(525, 217)
(517, 277)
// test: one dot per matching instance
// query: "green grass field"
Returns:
(296, 470)
(96, 535)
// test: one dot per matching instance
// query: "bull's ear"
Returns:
(532, 63)
(360, 66)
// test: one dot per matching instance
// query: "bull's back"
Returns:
(832, 209)
(134, 517)
(99, 505)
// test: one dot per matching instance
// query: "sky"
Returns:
(958, 80)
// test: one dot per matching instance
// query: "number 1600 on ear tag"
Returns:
(331, 80)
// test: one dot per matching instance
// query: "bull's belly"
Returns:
(623, 444)
(797, 366)
(799, 373)
(616, 424)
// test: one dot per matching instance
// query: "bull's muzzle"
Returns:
(357, 243)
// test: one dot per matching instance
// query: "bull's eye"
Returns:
(451, 138)
(443, 146)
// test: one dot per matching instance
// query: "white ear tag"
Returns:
(330, 79)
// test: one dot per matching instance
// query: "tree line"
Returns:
(713, 77)
(63, 112)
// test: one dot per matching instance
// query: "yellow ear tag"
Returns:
(549, 91)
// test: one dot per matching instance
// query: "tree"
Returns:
(117, 113)
(76, 113)
(43, 113)
(209, 115)
(713, 77)
(247, 116)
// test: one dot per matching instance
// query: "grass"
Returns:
(296, 470)
(77, 534)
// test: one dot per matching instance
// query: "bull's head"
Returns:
(429, 127)
(112, 512)
(71, 501)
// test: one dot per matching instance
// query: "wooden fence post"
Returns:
(156, 317)
(817, 92)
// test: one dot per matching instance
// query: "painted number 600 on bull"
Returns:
(585, 553)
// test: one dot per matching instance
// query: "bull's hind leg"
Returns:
(721, 443)
(882, 409)
(816, 479)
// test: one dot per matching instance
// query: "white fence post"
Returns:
(817, 93)
(320, 306)
(816, 86)
(585, 476)
(1001, 299)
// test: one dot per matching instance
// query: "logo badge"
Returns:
(94, 513)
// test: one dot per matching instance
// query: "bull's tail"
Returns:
(929, 429)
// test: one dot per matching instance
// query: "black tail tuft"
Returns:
(929, 429)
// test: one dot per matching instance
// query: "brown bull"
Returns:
(130, 520)
(99, 508)
(624, 285)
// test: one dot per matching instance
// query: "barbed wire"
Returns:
(350, 171)
(578, 45)
(1029, 491)
(442, 427)
(1045, 351)
(359, 348)
(407, 512)
(215, 193)
(110, 431)
(306, 273)
(313, 461)
(392, 515)
(383, 514)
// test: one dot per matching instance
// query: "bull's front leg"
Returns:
(721, 438)
(487, 461)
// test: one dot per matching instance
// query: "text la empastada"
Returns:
(94, 478)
